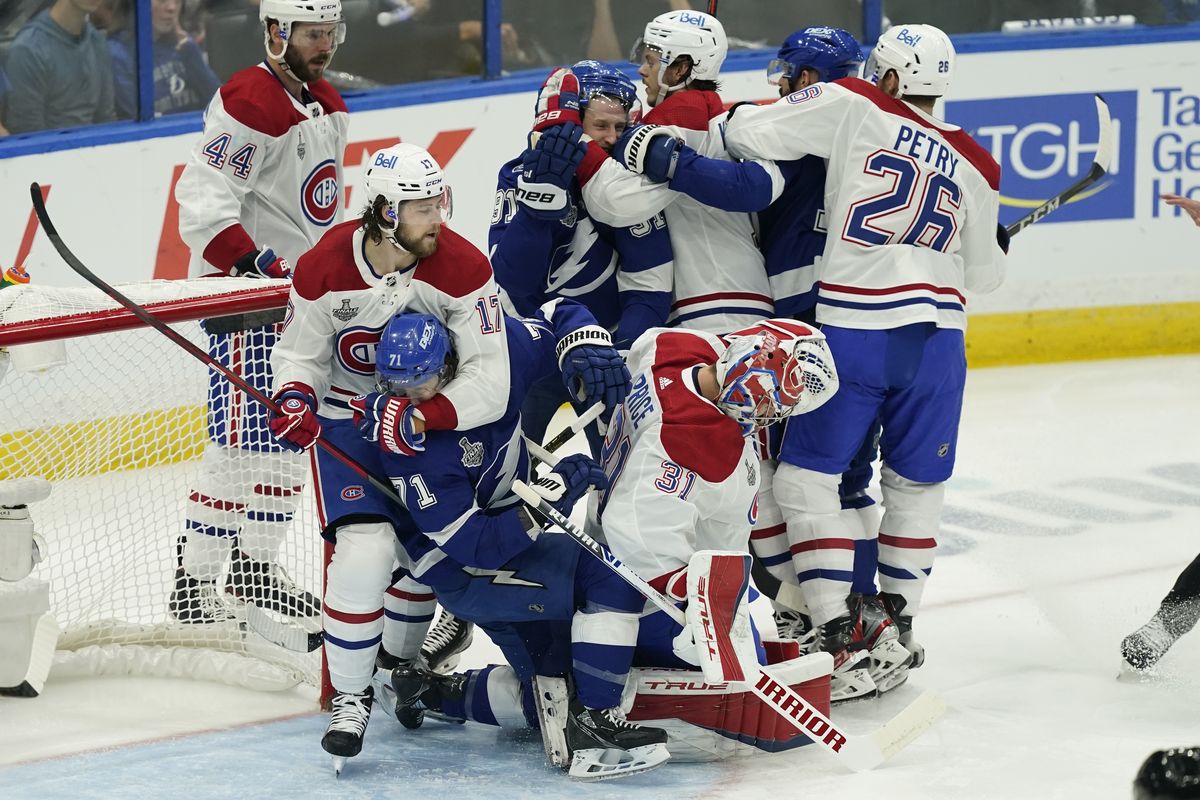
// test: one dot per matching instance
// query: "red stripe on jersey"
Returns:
(412, 597)
(691, 109)
(224, 249)
(329, 266)
(959, 139)
(887, 540)
(457, 268)
(709, 298)
(258, 100)
(277, 491)
(212, 502)
(439, 413)
(908, 287)
(823, 544)
(353, 619)
(767, 533)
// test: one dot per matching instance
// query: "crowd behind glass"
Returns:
(68, 63)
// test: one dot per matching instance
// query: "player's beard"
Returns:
(423, 244)
(310, 70)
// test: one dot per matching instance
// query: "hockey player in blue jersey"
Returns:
(544, 245)
(469, 538)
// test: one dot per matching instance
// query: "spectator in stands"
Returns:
(182, 78)
(60, 71)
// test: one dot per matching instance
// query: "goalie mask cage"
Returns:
(120, 429)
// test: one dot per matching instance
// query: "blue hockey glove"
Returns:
(261, 264)
(547, 169)
(596, 374)
(570, 481)
(649, 150)
(391, 421)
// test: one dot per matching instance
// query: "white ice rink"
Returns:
(1075, 505)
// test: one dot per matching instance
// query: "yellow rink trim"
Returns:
(137, 441)
(1082, 334)
(93, 447)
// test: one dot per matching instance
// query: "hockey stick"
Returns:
(540, 452)
(276, 632)
(712, 7)
(858, 752)
(1099, 170)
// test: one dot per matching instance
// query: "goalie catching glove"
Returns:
(592, 369)
(293, 420)
(547, 169)
(390, 421)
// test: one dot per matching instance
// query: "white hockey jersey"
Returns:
(682, 477)
(338, 309)
(266, 172)
(912, 202)
(720, 282)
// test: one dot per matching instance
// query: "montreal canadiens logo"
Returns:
(352, 493)
(355, 349)
(319, 194)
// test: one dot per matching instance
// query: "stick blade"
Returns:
(910, 723)
(1104, 149)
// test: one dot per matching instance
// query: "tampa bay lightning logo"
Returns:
(319, 194)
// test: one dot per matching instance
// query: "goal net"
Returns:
(114, 414)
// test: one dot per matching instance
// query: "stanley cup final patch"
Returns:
(472, 452)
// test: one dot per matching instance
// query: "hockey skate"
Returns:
(344, 737)
(894, 605)
(197, 602)
(841, 637)
(605, 745)
(1143, 648)
(793, 625)
(888, 659)
(446, 641)
(419, 691)
(269, 587)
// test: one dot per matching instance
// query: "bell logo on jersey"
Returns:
(319, 194)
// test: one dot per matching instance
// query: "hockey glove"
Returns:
(557, 100)
(295, 424)
(547, 169)
(592, 369)
(261, 264)
(570, 481)
(650, 150)
(391, 421)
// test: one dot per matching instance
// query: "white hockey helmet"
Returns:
(922, 56)
(288, 12)
(406, 172)
(684, 33)
(772, 370)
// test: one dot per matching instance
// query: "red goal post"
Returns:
(114, 415)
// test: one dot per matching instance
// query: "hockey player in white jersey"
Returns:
(261, 186)
(720, 280)
(912, 204)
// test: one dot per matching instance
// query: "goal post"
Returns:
(115, 415)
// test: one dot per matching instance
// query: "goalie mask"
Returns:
(288, 12)
(415, 356)
(772, 370)
(412, 185)
(922, 56)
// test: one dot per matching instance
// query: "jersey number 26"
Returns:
(892, 217)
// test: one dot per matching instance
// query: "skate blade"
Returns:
(339, 764)
(601, 764)
(849, 685)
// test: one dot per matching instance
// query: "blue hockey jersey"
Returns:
(622, 275)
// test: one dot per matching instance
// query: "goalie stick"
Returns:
(1099, 170)
(858, 752)
(274, 631)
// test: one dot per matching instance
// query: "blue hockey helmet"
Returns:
(831, 52)
(414, 349)
(598, 78)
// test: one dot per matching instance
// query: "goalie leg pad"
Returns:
(28, 634)
(718, 614)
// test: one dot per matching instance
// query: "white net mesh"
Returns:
(120, 430)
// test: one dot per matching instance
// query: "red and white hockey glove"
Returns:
(391, 421)
(558, 101)
(295, 424)
(261, 264)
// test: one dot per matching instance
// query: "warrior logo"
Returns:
(319, 194)
(472, 452)
(346, 312)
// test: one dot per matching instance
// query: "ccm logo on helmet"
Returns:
(355, 349)
(319, 194)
